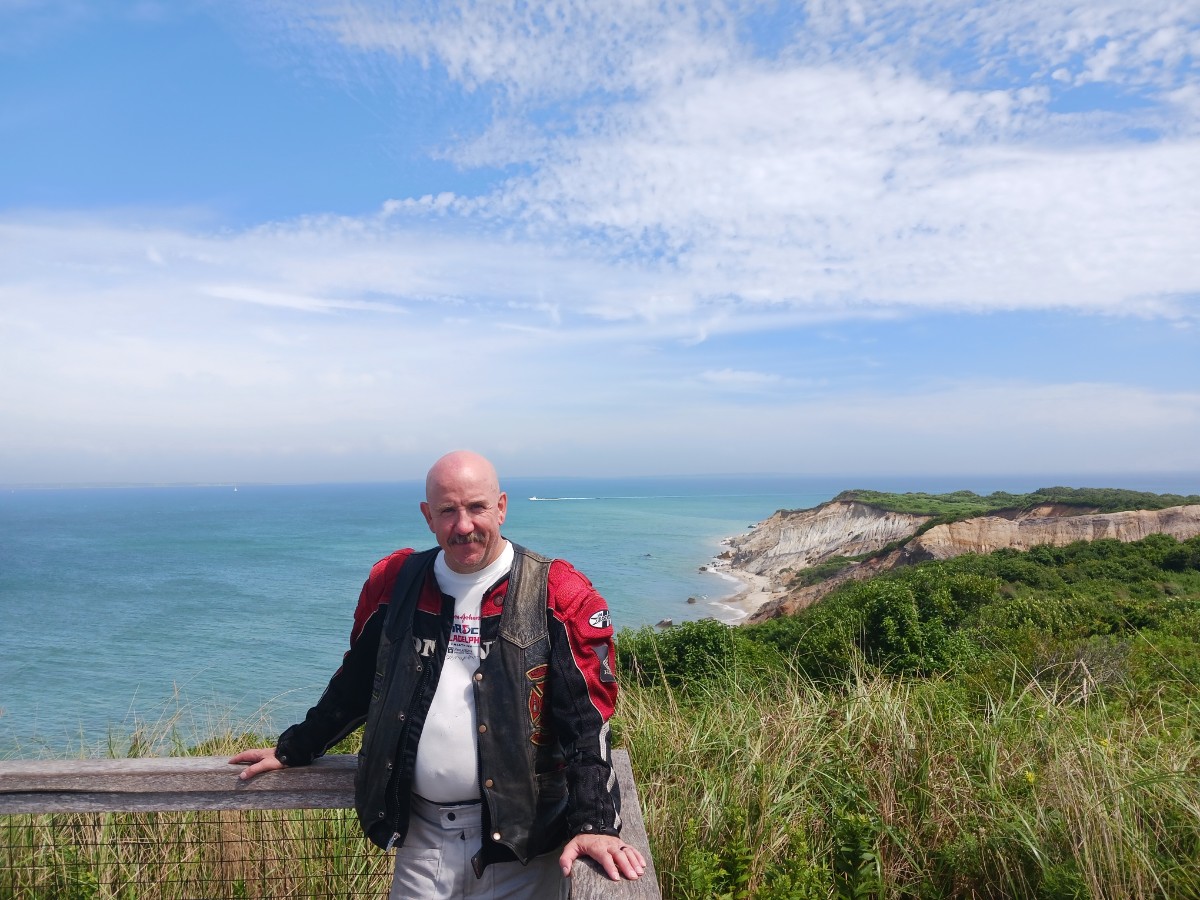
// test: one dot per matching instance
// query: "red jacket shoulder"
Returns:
(572, 598)
(388, 567)
(567, 582)
(377, 589)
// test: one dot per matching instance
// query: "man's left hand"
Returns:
(617, 858)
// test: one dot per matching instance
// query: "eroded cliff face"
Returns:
(799, 539)
(780, 543)
(988, 533)
(795, 600)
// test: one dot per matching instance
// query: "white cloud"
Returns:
(116, 388)
(739, 379)
(824, 187)
(1148, 44)
(541, 50)
(561, 49)
(663, 181)
(867, 165)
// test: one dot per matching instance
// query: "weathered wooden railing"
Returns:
(180, 784)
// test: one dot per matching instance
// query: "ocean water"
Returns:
(203, 608)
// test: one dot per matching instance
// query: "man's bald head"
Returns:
(459, 465)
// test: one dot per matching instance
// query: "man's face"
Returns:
(464, 509)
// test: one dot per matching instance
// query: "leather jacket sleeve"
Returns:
(582, 692)
(342, 707)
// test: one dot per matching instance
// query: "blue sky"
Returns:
(282, 241)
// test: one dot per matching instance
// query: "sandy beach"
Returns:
(755, 590)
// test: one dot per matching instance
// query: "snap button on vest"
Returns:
(482, 729)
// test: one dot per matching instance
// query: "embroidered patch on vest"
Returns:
(537, 694)
(599, 619)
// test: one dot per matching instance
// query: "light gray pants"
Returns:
(435, 861)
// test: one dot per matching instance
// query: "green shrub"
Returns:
(699, 652)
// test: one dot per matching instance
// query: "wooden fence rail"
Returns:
(177, 784)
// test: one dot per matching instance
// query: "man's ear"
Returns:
(502, 506)
(428, 515)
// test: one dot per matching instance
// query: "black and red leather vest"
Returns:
(521, 774)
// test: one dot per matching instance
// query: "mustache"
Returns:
(467, 539)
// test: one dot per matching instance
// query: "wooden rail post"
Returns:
(167, 784)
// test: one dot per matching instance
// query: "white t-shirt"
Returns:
(447, 762)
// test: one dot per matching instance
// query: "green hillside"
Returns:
(966, 504)
(1010, 725)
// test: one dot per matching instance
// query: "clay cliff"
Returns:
(797, 539)
(789, 542)
(988, 533)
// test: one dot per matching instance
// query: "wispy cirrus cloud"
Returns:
(1148, 45)
(535, 52)
(858, 162)
(565, 49)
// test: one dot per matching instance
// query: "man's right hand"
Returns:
(261, 759)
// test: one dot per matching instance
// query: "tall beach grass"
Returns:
(755, 783)
(776, 787)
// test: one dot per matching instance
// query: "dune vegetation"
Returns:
(1010, 725)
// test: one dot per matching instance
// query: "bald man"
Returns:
(483, 674)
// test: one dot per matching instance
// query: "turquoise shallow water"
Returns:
(212, 607)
